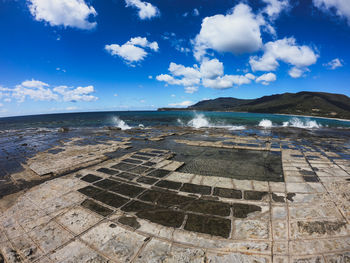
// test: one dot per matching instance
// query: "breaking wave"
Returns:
(120, 123)
(200, 121)
(304, 124)
(265, 123)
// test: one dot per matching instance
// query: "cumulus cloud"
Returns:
(335, 63)
(132, 51)
(67, 13)
(76, 94)
(41, 91)
(34, 89)
(146, 10)
(340, 7)
(295, 72)
(212, 69)
(237, 32)
(265, 79)
(210, 74)
(181, 104)
(275, 7)
(285, 50)
(181, 75)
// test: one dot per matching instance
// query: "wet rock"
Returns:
(123, 166)
(137, 206)
(63, 129)
(90, 178)
(321, 227)
(163, 217)
(254, 195)
(127, 190)
(159, 173)
(90, 191)
(209, 225)
(106, 183)
(196, 189)
(278, 199)
(242, 210)
(111, 199)
(112, 128)
(146, 180)
(129, 221)
(290, 196)
(209, 207)
(97, 208)
(107, 171)
(228, 193)
(169, 184)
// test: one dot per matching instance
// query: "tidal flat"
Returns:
(175, 194)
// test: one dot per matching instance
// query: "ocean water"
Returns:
(132, 119)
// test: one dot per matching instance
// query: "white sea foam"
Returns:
(265, 123)
(199, 121)
(120, 123)
(237, 127)
(304, 124)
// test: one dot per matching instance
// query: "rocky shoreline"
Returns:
(171, 194)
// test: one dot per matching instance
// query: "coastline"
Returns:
(282, 114)
(309, 116)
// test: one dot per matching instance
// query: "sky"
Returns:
(113, 55)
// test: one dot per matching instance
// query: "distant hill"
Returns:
(302, 103)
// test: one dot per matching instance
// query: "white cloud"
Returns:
(1, 105)
(295, 72)
(226, 81)
(265, 79)
(212, 69)
(34, 89)
(275, 7)
(146, 10)
(61, 69)
(150, 77)
(341, 7)
(181, 104)
(285, 50)
(76, 94)
(250, 76)
(210, 74)
(133, 50)
(173, 95)
(41, 91)
(71, 108)
(191, 90)
(335, 63)
(181, 75)
(195, 12)
(68, 13)
(237, 32)
(115, 95)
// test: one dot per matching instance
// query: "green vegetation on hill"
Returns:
(303, 103)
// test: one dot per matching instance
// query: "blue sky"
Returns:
(89, 55)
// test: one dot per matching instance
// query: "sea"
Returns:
(24, 137)
(146, 119)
